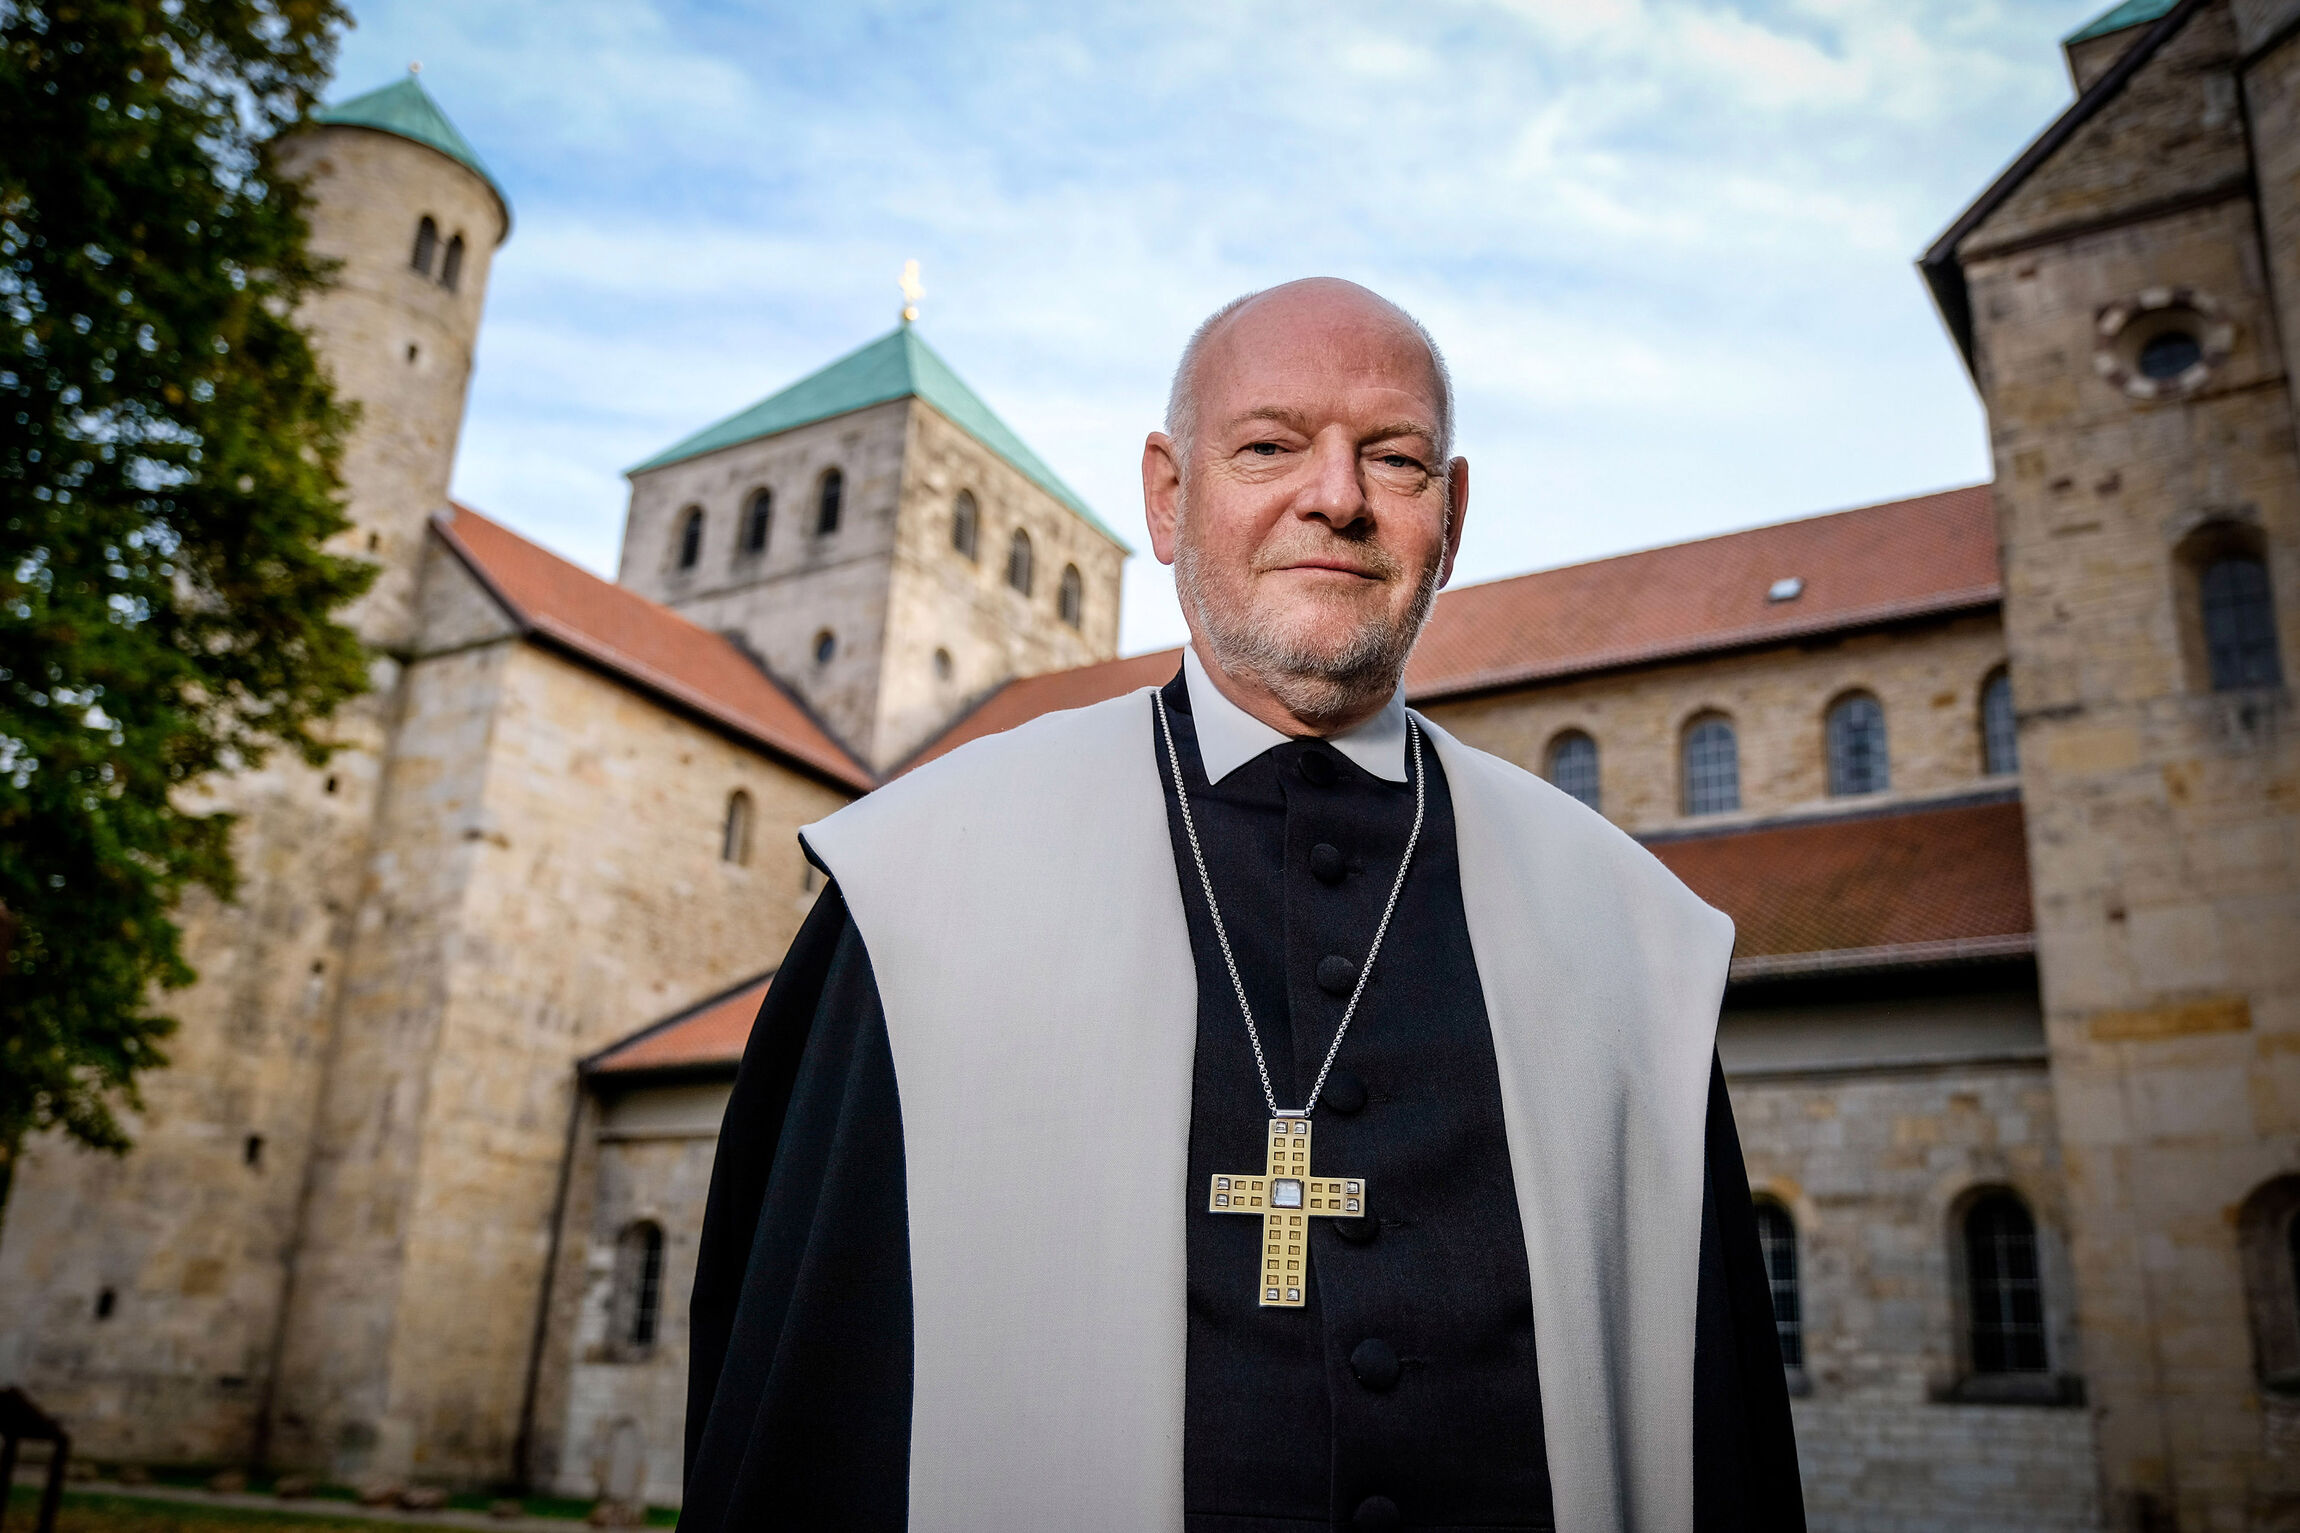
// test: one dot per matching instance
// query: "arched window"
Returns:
(451, 269)
(1073, 602)
(1857, 759)
(758, 519)
(691, 538)
(965, 524)
(1573, 766)
(1712, 768)
(426, 245)
(2239, 623)
(735, 839)
(2000, 732)
(1018, 562)
(2004, 1290)
(827, 500)
(638, 1302)
(2268, 1238)
(1777, 1243)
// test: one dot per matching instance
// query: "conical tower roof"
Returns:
(405, 108)
(898, 365)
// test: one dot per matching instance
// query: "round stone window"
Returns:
(2163, 343)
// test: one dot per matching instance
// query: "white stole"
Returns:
(1024, 921)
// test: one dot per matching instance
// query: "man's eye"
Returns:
(1264, 449)
(1398, 460)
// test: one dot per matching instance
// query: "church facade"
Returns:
(1999, 784)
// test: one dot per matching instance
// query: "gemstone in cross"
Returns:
(1284, 1200)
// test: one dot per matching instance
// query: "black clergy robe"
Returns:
(1404, 1392)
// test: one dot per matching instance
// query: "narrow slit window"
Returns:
(1777, 1243)
(1712, 767)
(758, 521)
(1858, 761)
(426, 245)
(735, 836)
(2005, 1292)
(639, 1258)
(1573, 766)
(2000, 731)
(965, 524)
(451, 267)
(828, 502)
(1073, 603)
(2239, 624)
(691, 538)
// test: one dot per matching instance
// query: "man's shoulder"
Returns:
(1011, 772)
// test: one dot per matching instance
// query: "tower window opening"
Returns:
(758, 520)
(106, 1302)
(2000, 730)
(639, 1284)
(735, 836)
(2169, 353)
(942, 665)
(1712, 766)
(826, 646)
(691, 538)
(965, 524)
(1018, 562)
(1777, 1243)
(2239, 623)
(827, 501)
(426, 245)
(1573, 766)
(2004, 1289)
(451, 267)
(1858, 762)
(1073, 596)
(252, 1152)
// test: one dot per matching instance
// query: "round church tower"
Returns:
(401, 199)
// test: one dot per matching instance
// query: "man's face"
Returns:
(1309, 527)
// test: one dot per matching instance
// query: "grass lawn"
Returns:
(82, 1513)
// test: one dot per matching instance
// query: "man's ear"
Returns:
(1457, 483)
(1161, 492)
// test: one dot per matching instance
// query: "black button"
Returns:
(1336, 974)
(1344, 1093)
(1318, 768)
(1375, 1364)
(1326, 864)
(1377, 1512)
(1359, 1231)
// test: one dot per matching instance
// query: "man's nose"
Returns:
(1334, 494)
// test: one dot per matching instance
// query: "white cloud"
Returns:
(1666, 242)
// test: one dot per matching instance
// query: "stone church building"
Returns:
(2001, 786)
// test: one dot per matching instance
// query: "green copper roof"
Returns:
(897, 365)
(404, 107)
(2130, 14)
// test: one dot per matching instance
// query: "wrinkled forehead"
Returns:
(1342, 355)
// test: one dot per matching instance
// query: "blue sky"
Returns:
(1667, 246)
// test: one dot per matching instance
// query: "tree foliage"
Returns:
(168, 476)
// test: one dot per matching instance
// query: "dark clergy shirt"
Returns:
(1403, 1393)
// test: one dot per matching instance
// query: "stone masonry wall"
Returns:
(1928, 679)
(575, 891)
(2163, 818)
(1873, 1166)
(942, 601)
(803, 584)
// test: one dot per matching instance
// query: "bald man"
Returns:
(1239, 1105)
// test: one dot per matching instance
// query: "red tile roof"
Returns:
(1931, 555)
(1906, 558)
(703, 1037)
(648, 645)
(1920, 885)
(1021, 700)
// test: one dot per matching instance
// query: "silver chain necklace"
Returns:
(1222, 932)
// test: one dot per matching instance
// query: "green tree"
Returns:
(168, 477)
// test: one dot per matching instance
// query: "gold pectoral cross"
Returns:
(1285, 1199)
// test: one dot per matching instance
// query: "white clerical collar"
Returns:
(1229, 736)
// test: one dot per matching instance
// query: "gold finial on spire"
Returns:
(912, 292)
(415, 66)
